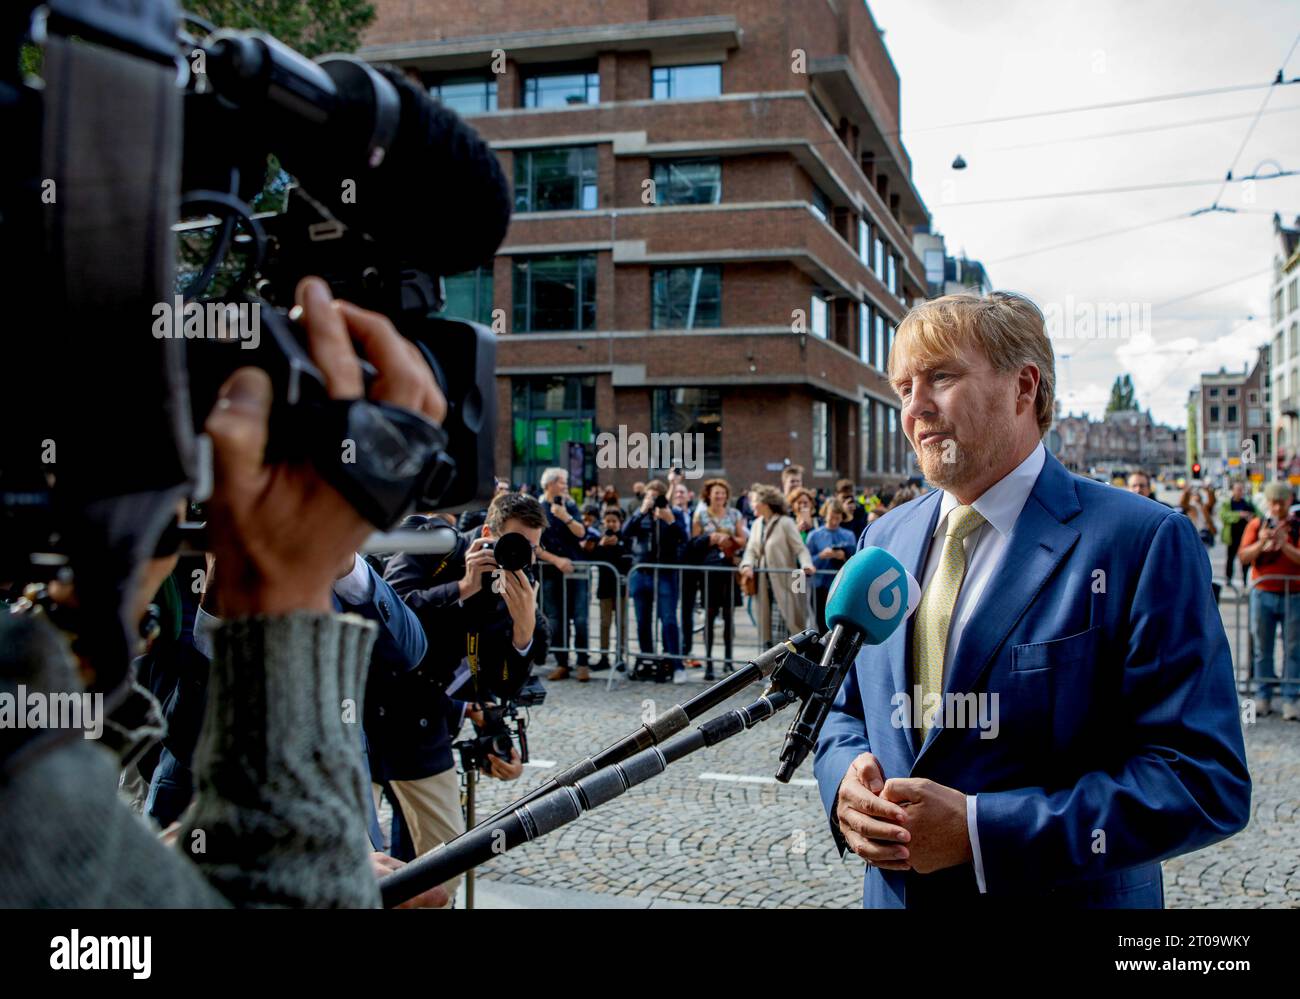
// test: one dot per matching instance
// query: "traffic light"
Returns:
(1196, 469)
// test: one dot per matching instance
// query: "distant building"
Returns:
(1233, 420)
(1120, 442)
(1284, 381)
(946, 275)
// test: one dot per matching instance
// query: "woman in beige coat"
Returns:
(774, 544)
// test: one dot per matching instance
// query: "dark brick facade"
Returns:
(787, 123)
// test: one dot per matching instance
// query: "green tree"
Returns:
(1121, 394)
(313, 27)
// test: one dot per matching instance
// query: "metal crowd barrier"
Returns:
(625, 622)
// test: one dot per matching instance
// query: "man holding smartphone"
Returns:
(1270, 548)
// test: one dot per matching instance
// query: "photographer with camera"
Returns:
(565, 589)
(485, 633)
(1270, 546)
(657, 533)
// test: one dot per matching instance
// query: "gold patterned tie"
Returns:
(934, 614)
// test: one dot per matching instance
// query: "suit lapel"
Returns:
(1038, 542)
(910, 548)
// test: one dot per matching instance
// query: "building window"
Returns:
(1252, 398)
(864, 243)
(878, 422)
(819, 315)
(891, 278)
(687, 297)
(555, 180)
(864, 333)
(865, 435)
(549, 412)
(880, 257)
(880, 341)
(895, 452)
(561, 88)
(821, 437)
(1292, 290)
(1214, 414)
(469, 93)
(555, 293)
(889, 347)
(1232, 393)
(469, 295)
(1254, 417)
(688, 182)
(821, 205)
(1232, 414)
(1214, 393)
(691, 411)
(1294, 340)
(684, 82)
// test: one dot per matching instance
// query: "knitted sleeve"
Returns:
(279, 818)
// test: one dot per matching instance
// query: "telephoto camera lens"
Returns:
(513, 551)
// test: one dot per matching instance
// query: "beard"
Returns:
(951, 463)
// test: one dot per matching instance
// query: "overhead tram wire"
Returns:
(1277, 81)
(1132, 102)
(1141, 130)
(1125, 189)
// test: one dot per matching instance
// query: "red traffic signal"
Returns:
(1196, 468)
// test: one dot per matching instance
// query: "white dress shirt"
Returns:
(1000, 506)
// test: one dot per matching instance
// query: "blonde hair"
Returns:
(1008, 328)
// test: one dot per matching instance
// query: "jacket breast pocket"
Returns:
(1056, 680)
(1078, 650)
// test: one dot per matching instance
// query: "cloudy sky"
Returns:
(964, 60)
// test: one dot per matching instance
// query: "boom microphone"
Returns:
(871, 596)
(376, 149)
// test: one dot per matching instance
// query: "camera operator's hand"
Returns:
(559, 511)
(608, 540)
(648, 503)
(474, 712)
(565, 565)
(478, 560)
(502, 770)
(280, 532)
(521, 602)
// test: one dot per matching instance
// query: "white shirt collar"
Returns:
(1001, 503)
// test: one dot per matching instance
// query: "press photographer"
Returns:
(478, 606)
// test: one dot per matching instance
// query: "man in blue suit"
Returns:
(1059, 713)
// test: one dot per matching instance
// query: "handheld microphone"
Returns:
(871, 596)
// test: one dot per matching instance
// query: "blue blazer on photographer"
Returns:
(1119, 742)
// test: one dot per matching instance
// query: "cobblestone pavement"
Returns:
(692, 835)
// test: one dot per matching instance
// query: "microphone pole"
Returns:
(801, 738)
(676, 718)
(565, 803)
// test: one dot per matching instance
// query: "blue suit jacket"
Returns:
(1120, 742)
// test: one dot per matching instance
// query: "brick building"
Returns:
(1120, 442)
(712, 230)
(1232, 409)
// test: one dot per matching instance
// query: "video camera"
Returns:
(494, 736)
(134, 125)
